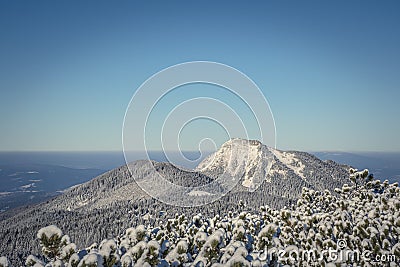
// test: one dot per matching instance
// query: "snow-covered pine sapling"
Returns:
(108, 249)
(200, 239)
(239, 234)
(74, 260)
(92, 259)
(4, 262)
(238, 259)
(126, 260)
(212, 248)
(33, 261)
(265, 236)
(67, 251)
(52, 242)
(285, 215)
(211, 251)
(140, 233)
(178, 256)
(152, 253)
(360, 177)
(138, 250)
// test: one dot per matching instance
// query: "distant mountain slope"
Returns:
(113, 201)
(384, 165)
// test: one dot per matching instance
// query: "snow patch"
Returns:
(35, 180)
(31, 185)
(290, 160)
(198, 193)
(82, 203)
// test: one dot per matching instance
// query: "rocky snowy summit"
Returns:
(252, 162)
(247, 160)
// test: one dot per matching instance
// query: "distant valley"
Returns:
(23, 184)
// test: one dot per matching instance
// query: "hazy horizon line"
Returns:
(158, 151)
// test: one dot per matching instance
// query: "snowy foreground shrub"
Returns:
(359, 225)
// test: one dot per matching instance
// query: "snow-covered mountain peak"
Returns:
(248, 160)
(253, 162)
(231, 153)
(241, 142)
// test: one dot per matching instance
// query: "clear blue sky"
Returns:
(330, 70)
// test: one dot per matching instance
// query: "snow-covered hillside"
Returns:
(359, 226)
(113, 201)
